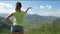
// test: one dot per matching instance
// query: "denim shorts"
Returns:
(16, 28)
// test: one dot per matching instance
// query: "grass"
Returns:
(36, 29)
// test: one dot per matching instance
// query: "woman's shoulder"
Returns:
(14, 11)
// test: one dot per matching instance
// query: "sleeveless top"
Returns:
(19, 17)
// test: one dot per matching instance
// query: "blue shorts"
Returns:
(16, 28)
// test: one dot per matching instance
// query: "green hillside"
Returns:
(35, 25)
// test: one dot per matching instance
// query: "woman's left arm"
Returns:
(28, 9)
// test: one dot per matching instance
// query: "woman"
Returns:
(17, 27)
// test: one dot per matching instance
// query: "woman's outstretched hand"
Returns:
(28, 8)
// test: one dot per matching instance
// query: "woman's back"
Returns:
(19, 16)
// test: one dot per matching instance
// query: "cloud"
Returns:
(6, 5)
(45, 7)
(57, 12)
(6, 8)
(50, 13)
(49, 7)
(42, 7)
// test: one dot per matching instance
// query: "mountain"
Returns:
(35, 19)
(33, 24)
(3, 15)
(39, 19)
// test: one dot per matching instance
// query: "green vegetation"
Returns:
(46, 27)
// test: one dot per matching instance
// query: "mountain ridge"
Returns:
(34, 18)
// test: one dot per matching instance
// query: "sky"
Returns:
(44, 8)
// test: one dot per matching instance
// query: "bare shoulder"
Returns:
(11, 14)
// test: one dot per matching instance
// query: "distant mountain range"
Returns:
(3, 15)
(34, 18)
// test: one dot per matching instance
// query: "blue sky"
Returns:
(44, 8)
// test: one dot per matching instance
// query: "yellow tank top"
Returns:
(19, 17)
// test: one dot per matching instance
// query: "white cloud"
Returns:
(6, 8)
(58, 10)
(50, 13)
(6, 5)
(46, 7)
(46, 13)
(42, 7)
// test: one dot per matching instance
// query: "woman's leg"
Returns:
(20, 32)
(14, 32)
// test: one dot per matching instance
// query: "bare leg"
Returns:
(14, 32)
(20, 32)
